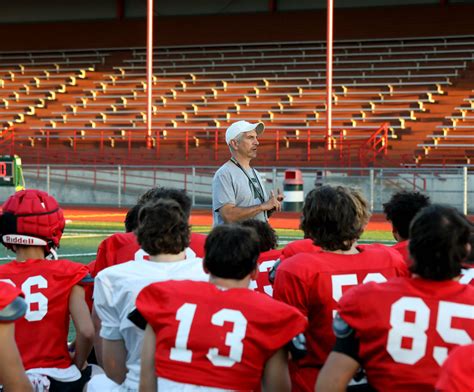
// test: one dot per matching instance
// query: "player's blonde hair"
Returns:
(362, 208)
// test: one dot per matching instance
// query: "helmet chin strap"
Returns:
(53, 255)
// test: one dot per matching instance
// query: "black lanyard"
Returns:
(259, 192)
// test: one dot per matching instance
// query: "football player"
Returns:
(131, 223)
(268, 241)
(163, 233)
(305, 245)
(400, 211)
(122, 247)
(334, 218)
(131, 219)
(12, 372)
(401, 331)
(31, 225)
(467, 272)
(217, 335)
(457, 373)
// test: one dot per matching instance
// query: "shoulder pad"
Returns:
(15, 310)
(273, 271)
(297, 347)
(340, 327)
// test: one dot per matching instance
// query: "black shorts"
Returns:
(72, 386)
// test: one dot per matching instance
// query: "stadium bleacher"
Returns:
(60, 100)
(75, 109)
(453, 142)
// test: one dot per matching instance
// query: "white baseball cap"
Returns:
(238, 127)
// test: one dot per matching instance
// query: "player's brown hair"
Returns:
(470, 257)
(131, 219)
(163, 228)
(158, 193)
(231, 251)
(267, 237)
(334, 217)
(438, 242)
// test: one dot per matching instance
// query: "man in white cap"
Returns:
(238, 192)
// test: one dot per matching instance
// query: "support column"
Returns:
(149, 72)
(120, 9)
(329, 52)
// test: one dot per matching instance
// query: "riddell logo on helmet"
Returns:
(19, 240)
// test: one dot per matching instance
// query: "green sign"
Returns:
(11, 173)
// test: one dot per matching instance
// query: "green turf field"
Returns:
(81, 239)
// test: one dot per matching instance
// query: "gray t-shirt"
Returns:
(230, 185)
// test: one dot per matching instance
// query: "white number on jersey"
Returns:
(140, 255)
(340, 281)
(41, 307)
(265, 266)
(184, 315)
(233, 339)
(467, 275)
(416, 330)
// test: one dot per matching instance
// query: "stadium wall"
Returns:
(20, 11)
(350, 23)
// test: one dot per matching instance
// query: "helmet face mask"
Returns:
(32, 218)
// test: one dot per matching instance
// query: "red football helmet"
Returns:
(32, 218)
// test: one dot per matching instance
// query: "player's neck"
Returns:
(243, 161)
(352, 251)
(230, 283)
(24, 253)
(398, 237)
(168, 258)
(455, 279)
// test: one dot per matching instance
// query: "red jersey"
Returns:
(122, 247)
(265, 262)
(41, 336)
(406, 327)
(8, 294)
(215, 337)
(402, 247)
(299, 246)
(313, 283)
(457, 373)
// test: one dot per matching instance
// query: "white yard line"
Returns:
(105, 231)
(73, 235)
